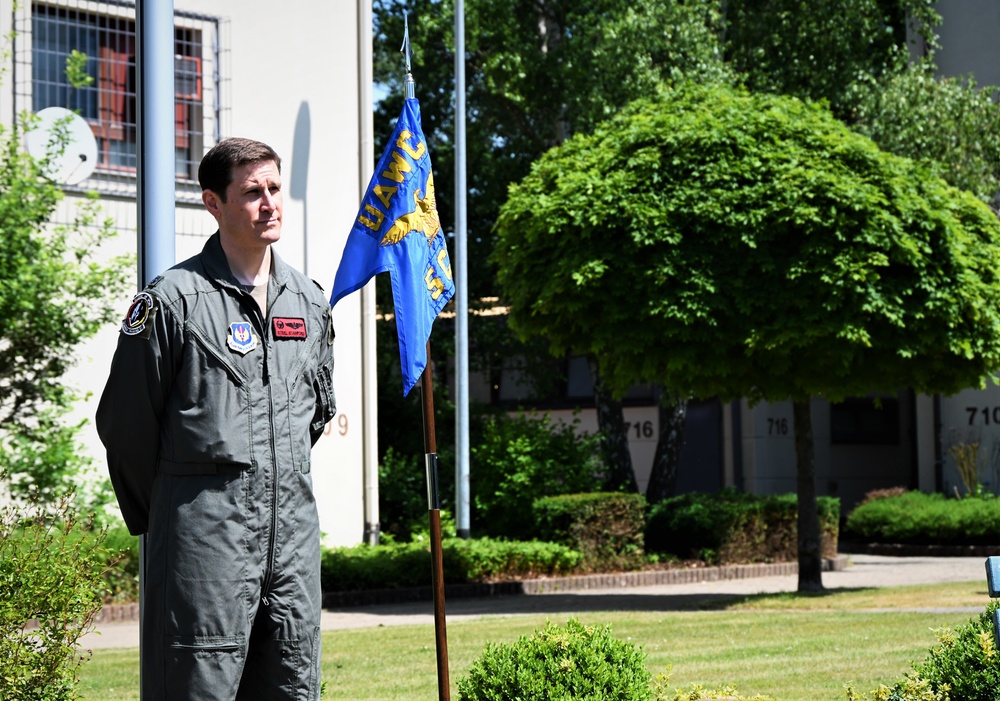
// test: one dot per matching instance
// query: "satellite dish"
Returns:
(79, 159)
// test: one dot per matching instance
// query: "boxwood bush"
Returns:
(398, 565)
(735, 527)
(964, 666)
(584, 663)
(916, 518)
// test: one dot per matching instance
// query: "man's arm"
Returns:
(131, 407)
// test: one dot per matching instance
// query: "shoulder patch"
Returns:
(138, 319)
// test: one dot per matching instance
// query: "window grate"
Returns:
(47, 32)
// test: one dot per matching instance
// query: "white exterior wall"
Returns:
(293, 82)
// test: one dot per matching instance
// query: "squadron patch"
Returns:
(285, 327)
(139, 316)
(241, 338)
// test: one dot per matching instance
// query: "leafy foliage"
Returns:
(965, 661)
(397, 565)
(536, 72)
(573, 662)
(926, 519)
(54, 294)
(605, 528)
(963, 665)
(697, 692)
(751, 245)
(817, 52)
(51, 588)
(523, 458)
(735, 527)
(951, 124)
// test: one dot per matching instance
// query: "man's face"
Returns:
(251, 215)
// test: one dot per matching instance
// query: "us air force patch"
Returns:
(138, 319)
(241, 338)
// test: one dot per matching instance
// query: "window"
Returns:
(862, 421)
(106, 34)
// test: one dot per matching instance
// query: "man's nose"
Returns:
(268, 200)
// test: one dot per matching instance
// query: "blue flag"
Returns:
(398, 230)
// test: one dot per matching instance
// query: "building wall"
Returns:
(293, 79)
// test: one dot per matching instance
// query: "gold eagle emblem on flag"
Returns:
(424, 218)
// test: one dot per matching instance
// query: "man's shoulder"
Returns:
(305, 285)
(186, 277)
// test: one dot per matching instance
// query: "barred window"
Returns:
(105, 34)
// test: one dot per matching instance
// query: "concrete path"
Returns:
(863, 571)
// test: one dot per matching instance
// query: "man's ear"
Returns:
(212, 202)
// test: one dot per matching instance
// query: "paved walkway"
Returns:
(863, 571)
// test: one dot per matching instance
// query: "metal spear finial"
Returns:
(410, 86)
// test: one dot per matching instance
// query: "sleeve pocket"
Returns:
(326, 403)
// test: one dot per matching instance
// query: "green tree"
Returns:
(951, 124)
(816, 50)
(537, 71)
(55, 292)
(737, 245)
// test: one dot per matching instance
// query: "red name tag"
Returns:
(289, 328)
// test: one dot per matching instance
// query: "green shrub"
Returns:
(733, 527)
(402, 493)
(697, 692)
(926, 519)
(966, 660)
(521, 459)
(605, 528)
(122, 575)
(51, 587)
(583, 663)
(398, 565)
(485, 559)
(963, 666)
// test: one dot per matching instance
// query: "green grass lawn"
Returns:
(791, 647)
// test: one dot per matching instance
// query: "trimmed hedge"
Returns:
(606, 528)
(572, 662)
(399, 565)
(734, 527)
(915, 518)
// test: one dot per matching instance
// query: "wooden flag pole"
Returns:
(434, 512)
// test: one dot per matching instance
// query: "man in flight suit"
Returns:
(220, 385)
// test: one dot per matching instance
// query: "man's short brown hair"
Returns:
(216, 169)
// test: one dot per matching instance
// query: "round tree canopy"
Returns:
(736, 245)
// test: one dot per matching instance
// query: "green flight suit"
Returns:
(209, 417)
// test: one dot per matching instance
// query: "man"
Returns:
(219, 387)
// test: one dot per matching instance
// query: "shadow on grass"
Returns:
(583, 602)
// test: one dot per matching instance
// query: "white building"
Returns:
(297, 77)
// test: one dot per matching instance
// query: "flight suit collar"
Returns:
(217, 267)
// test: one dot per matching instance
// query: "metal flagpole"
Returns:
(154, 24)
(430, 457)
(462, 516)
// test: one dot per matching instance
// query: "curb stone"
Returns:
(527, 587)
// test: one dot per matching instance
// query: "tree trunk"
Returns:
(672, 411)
(810, 553)
(614, 441)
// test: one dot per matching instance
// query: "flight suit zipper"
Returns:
(266, 379)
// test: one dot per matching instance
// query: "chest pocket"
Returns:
(309, 389)
(212, 406)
